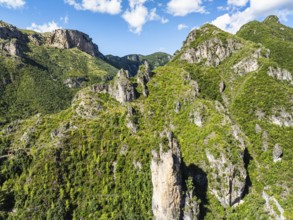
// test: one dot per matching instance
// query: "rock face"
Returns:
(277, 153)
(211, 52)
(231, 172)
(230, 190)
(280, 74)
(282, 118)
(122, 89)
(11, 48)
(197, 115)
(271, 202)
(11, 40)
(74, 82)
(8, 32)
(249, 64)
(167, 181)
(65, 39)
(143, 77)
(131, 119)
(191, 208)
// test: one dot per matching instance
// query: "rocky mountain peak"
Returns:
(272, 19)
(66, 39)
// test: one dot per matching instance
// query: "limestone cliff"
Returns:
(167, 180)
(66, 39)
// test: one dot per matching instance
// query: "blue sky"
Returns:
(121, 27)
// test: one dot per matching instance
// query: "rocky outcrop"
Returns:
(222, 86)
(11, 48)
(280, 74)
(8, 32)
(74, 82)
(270, 203)
(249, 64)
(229, 190)
(66, 39)
(211, 52)
(198, 114)
(228, 166)
(143, 77)
(282, 118)
(12, 40)
(191, 210)
(86, 105)
(277, 153)
(121, 88)
(167, 180)
(131, 120)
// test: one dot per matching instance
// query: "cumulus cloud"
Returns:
(101, 6)
(138, 15)
(184, 7)
(12, 3)
(182, 27)
(42, 28)
(231, 22)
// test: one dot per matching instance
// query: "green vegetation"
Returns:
(133, 61)
(66, 166)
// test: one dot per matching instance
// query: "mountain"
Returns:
(273, 35)
(132, 62)
(40, 73)
(207, 136)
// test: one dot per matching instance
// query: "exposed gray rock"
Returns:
(277, 153)
(222, 86)
(144, 76)
(282, 118)
(8, 32)
(122, 89)
(66, 39)
(269, 206)
(167, 181)
(11, 48)
(124, 150)
(280, 74)
(74, 82)
(229, 190)
(86, 105)
(131, 120)
(198, 114)
(258, 129)
(191, 37)
(195, 88)
(191, 209)
(248, 64)
(265, 139)
(211, 52)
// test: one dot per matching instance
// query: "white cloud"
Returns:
(239, 3)
(101, 6)
(184, 7)
(12, 3)
(182, 27)
(164, 20)
(138, 15)
(47, 27)
(231, 22)
(64, 19)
